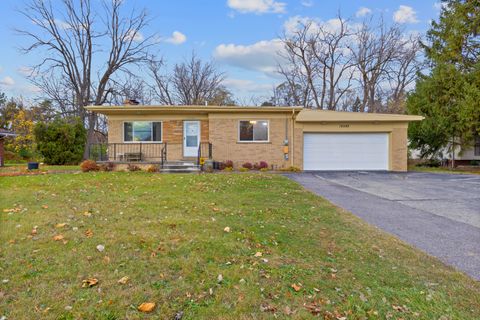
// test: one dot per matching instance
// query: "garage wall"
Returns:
(397, 131)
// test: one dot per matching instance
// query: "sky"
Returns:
(240, 36)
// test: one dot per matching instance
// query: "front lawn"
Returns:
(458, 170)
(213, 246)
(14, 169)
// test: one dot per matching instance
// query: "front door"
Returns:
(191, 138)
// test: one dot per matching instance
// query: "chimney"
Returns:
(131, 102)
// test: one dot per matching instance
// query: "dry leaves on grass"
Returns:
(90, 282)
(60, 225)
(45, 206)
(296, 287)
(89, 233)
(124, 280)
(146, 307)
(58, 237)
(226, 229)
(265, 307)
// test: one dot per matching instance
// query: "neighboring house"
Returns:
(3, 135)
(281, 136)
(467, 156)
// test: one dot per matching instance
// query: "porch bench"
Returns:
(133, 156)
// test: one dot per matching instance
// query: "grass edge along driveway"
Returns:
(233, 246)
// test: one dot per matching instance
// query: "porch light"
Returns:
(253, 122)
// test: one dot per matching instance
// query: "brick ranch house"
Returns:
(281, 136)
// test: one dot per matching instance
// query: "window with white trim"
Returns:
(253, 131)
(142, 131)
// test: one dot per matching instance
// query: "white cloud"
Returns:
(308, 3)
(295, 23)
(405, 14)
(261, 56)
(7, 81)
(244, 86)
(25, 71)
(257, 6)
(135, 36)
(176, 38)
(362, 12)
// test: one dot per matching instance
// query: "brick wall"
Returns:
(399, 152)
(224, 136)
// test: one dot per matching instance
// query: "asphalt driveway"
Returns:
(437, 213)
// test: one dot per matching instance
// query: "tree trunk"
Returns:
(92, 121)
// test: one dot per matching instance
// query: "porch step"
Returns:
(180, 167)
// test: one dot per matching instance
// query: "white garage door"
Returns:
(345, 151)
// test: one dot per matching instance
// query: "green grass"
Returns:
(166, 233)
(443, 170)
(21, 168)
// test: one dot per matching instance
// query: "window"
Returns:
(142, 131)
(477, 146)
(253, 131)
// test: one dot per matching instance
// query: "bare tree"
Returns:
(319, 61)
(192, 82)
(82, 52)
(376, 47)
(345, 66)
(402, 73)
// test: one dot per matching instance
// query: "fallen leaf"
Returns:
(287, 310)
(219, 278)
(267, 308)
(45, 206)
(58, 237)
(100, 247)
(258, 254)
(297, 287)
(34, 231)
(123, 280)
(216, 209)
(314, 308)
(90, 282)
(226, 229)
(88, 233)
(146, 307)
(60, 225)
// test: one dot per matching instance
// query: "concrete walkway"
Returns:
(437, 213)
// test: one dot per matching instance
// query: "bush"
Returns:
(247, 165)
(430, 163)
(107, 167)
(61, 141)
(291, 169)
(264, 169)
(261, 165)
(221, 166)
(12, 156)
(152, 168)
(229, 169)
(89, 165)
(229, 164)
(243, 169)
(133, 168)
